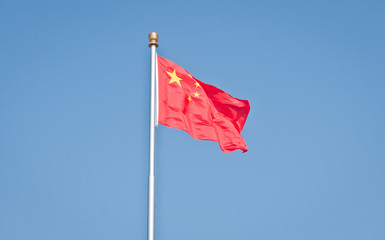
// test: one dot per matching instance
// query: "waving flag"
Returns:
(202, 110)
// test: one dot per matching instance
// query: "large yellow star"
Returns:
(174, 78)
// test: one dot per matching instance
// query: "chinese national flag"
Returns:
(202, 110)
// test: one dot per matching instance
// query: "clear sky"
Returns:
(74, 116)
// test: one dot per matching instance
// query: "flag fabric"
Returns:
(202, 110)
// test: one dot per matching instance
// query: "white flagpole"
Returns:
(153, 37)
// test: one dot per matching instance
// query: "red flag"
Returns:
(202, 110)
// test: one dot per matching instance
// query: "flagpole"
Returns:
(153, 37)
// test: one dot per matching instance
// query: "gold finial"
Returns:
(153, 37)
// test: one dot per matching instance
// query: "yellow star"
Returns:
(174, 78)
(190, 75)
(196, 94)
(197, 84)
(189, 98)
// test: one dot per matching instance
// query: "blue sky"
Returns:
(74, 113)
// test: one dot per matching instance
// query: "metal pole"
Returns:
(153, 37)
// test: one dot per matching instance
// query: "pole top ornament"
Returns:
(153, 37)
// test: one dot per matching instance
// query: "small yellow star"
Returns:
(196, 94)
(174, 78)
(190, 75)
(189, 98)
(197, 84)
